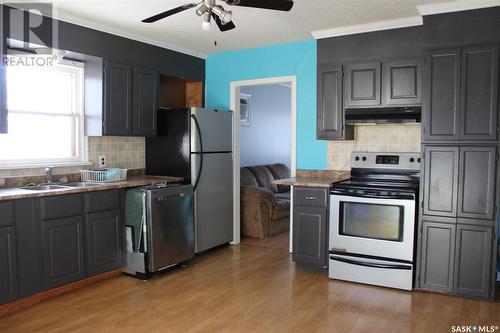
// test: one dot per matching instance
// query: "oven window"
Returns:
(371, 221)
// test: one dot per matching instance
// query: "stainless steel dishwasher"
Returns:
(160, 228)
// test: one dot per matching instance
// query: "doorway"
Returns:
(241, 91)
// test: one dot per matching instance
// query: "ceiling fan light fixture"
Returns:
(225, 15)
(202, 10)
(206, 25)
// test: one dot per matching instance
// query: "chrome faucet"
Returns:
(48, 174)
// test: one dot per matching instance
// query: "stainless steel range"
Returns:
(372, 220)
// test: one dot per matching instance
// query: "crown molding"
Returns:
(66, 17)
(455, 6)
(369, 27)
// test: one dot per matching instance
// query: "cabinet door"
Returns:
(437, 258)
(63, 254)
(117, 99)
(440, 112)
(103, 233)
(473, 260)
(8, 265)
(362, 85)
(440, 181)
(402, 82)
(476, 196)
(3, 99)
(330, 112)
(309, 236)
(479, 93)
(145, 100)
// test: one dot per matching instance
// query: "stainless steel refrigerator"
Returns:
(197, 144)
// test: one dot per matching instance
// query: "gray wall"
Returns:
(268, 138)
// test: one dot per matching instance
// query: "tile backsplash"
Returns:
(121, 152)
(377, 138)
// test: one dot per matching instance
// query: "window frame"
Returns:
(75, 68)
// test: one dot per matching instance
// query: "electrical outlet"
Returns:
(102, 161)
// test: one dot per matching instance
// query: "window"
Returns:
(45, 115)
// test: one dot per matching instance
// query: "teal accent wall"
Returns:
(297, 59)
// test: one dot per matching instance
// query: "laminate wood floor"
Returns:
(247, 289)
(278, 242)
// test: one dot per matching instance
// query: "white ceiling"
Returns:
(254, 27)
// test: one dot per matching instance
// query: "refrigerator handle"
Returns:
(197, 125)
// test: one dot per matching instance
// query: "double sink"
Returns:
(48, 187)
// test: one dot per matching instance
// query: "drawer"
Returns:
(6, 213)
(309, 196)
(102, 200)
(60, 206)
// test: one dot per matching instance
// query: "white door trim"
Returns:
(234, 106)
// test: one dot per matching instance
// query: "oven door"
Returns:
(377, 227)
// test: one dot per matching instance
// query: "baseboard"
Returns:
(37, 298)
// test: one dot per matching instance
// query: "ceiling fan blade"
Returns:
(223, 27)
(170, 12)
(284, 5)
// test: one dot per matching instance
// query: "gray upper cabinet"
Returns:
(103, 233)
(477, 182)
(145, 101)
(440, 181)
(461, 94)
(117, 99)
(362, 85)
(473, 261)
(330, 111)
(63, 251)
(3, 100)
(402, 82)
(479, 93)
(440, 114)
(8, 265)
(438, 253)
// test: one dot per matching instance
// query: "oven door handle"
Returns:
(369, 264)
(374, 196)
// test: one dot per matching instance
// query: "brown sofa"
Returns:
(265, 207)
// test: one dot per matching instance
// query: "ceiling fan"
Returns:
(209, 10)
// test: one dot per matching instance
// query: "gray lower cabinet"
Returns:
(103, 239)
(438, 254)
(440, 181)
(473, 261)
(63, 251)
(310, 227)
(330, 110)
(8, 265)
(477, 174)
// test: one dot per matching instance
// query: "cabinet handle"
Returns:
(310, 198)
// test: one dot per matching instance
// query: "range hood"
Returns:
(398, 115)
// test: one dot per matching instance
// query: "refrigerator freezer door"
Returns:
(216, 129)
(213, 200)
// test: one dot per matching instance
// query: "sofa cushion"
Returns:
(247, 178)
(281, 209)
(264, 177)
(282, 196)
(280, 171)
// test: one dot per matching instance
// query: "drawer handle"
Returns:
(310, 198)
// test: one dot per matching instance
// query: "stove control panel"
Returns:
(401, 161)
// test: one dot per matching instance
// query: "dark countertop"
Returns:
(307, 181)
(17, 193)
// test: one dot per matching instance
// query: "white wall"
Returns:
(267, 139)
